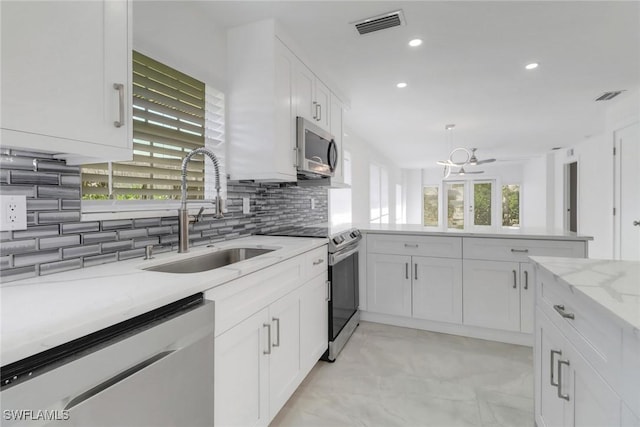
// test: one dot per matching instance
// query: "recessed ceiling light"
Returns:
(415, 42)
(532, 66)
(401, 85)
(449, 127)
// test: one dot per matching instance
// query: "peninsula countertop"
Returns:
(43, 312)
(610, 286)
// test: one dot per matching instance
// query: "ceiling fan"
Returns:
(463, 172)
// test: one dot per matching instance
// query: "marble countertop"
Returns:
(43, 312)
(501, 233)
(613, 285)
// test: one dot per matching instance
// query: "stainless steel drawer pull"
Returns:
(120, 88)
(318, 261)
(415, 271)
(406, 245)
(521, 251)
(515, 279)
(560, 394)
(552, 367)
(526, 280)
(328, 291)
(406, 270)
(560, 309)
(268, 326)
(277, 343)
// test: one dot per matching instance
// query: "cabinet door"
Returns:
(549, 408)
(60, 61)
(389, 284)
(284, 119)
(304, 84)
(492, 294)
(314, 322)
(242, 373)
(437, 289)
(323, 100)
(527, 297)
(284, 365)
(594, 402)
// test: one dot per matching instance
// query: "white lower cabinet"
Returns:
(389, 284)
(498, 295)
(569, 392)
(261, 360)
(242, 374)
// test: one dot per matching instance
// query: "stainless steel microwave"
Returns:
(317, 150)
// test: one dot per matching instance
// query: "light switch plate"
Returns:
(13, 213)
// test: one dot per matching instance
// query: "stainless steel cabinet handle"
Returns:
(522, 251)
(415, 271)
(552, 367)
(406, 245)
(636, 223)
(526, 280)
(318, 261)
(319, 113)
(328, 291)
(315, 110)
(277, 343)
(560, 309)
(560, 394)
(515, 279)
(268, 326)
(406, 270)
(120, 88)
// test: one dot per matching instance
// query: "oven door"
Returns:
(343, 275)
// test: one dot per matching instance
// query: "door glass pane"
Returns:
(511, 205)
(482, 203)
(430, 206)
(455, 205)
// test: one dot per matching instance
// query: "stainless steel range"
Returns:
(344, 316)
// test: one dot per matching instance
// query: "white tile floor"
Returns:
(391, 376)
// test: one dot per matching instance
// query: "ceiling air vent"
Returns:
(609, 95)
(380, 22)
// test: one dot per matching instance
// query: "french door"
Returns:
(470, 205)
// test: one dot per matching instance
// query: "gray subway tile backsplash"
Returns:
(52, 189)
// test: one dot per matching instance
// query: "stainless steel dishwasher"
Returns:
(153, 370)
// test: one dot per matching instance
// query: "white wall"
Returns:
(534, 192)
(179, 35)
(362, 155)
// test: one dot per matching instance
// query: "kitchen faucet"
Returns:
(183, 214)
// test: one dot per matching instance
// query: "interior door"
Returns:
(627, 183)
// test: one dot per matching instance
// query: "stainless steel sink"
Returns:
(209, 261)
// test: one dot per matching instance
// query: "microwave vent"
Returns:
(380, 22)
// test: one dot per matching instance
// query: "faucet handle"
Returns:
(219, 202)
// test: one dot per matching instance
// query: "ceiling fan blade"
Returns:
(474, 172)
(444, 163)
(482, 162)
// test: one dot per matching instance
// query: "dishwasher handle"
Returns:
(116, 379)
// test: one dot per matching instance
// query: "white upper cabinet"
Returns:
(66, 78)
(312, 97)
(337, 130)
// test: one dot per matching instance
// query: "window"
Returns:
(173, 114)
(482, 194)
(511, 205)
(430, 200)
(378, 195)
(455, 205)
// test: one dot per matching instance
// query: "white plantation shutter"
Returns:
(173, 113)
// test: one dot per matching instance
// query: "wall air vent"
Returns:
(609, 95)
(380, 22)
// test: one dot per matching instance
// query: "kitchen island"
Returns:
(465, 283)
(587, 342)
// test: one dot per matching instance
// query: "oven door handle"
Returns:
(341, 256)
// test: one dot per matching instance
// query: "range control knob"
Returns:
(354, 233)
(338, 239)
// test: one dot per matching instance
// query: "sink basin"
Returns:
(209, 261)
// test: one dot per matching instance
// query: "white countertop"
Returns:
(508, 233)
(613, 285)
(43, 312)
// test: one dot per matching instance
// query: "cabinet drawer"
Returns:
(597, 338)
(430, 246)
(315, 262)
(519, 249)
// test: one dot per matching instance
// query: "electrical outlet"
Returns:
(13, 211)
